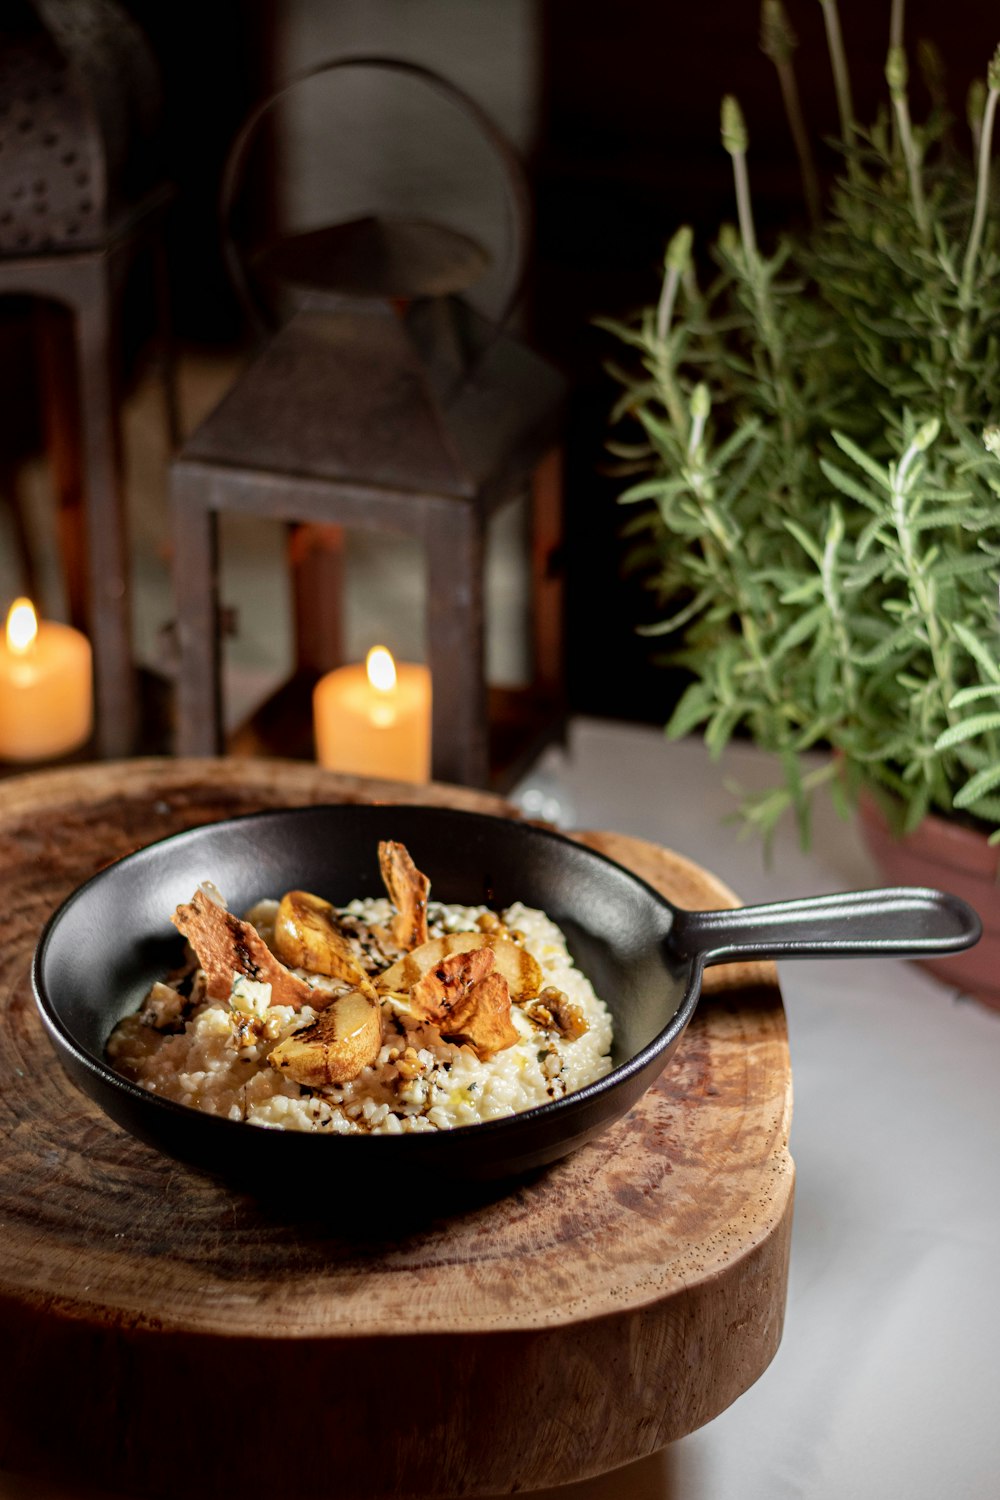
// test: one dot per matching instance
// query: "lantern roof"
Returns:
(436, 401)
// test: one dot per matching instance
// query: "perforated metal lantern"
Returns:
(79, 106)
(80, 192)
(385, 402)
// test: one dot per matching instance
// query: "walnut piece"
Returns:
(554, 1010)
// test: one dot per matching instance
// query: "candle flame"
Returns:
(22, 626)
(381, 669)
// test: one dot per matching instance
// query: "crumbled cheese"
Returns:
(250, 996)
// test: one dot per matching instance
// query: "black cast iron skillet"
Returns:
(102, 950)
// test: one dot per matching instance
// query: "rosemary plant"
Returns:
(816, 509)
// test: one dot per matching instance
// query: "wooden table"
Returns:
(164, 1334)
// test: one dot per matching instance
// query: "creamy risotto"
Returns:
(449, 1017)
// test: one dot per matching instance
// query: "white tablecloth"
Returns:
(887, 1381)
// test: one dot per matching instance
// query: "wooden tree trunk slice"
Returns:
(164, 1334)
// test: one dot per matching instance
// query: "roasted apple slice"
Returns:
(334, 1048)
(306, 936)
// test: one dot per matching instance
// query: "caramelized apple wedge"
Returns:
(521, 971)
(306, 936)
(343, 1039)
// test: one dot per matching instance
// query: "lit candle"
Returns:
(46, 706)
(375, 719)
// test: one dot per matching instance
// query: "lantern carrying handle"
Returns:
(516, 191)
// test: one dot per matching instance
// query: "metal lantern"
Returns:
(79, 109)
(383, 403)
(80, 189)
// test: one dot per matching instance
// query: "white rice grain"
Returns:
(202, 1066)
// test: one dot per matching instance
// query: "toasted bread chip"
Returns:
(442, 991)
(468, 1000)
(341, 1041)
(521, 971)
(306, 936)
(484, 1020)
(226, 946)
(408, 890)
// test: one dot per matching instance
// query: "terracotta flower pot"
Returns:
(952, 858)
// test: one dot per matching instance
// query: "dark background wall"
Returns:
(625, 124)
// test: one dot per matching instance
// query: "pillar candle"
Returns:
(46, 697)
(374, 719)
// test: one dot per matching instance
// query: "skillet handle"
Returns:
(909, 921)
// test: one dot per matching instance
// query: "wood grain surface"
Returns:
(164, 1334)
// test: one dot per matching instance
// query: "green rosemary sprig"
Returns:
(815, 511)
